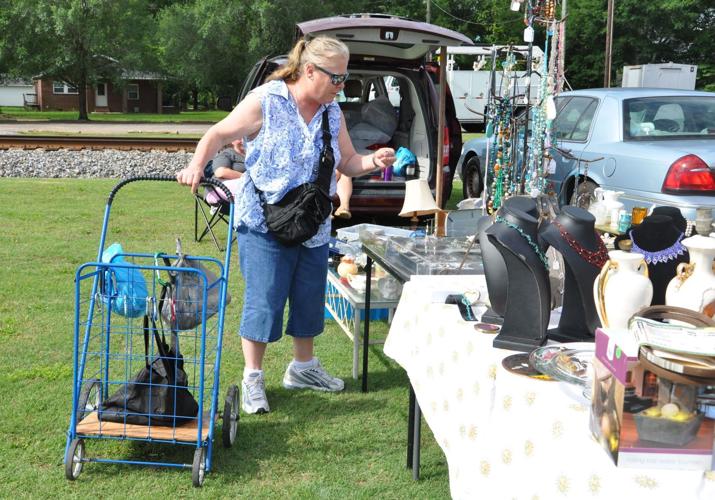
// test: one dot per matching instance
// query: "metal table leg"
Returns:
(416, 442)
(366, 327)
(410, 426)
(356, 341)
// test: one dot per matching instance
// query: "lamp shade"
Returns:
(418, 199)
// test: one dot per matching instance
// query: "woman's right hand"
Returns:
(190, 176)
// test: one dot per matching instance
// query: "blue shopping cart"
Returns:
(122, 313)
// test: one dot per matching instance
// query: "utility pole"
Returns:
(609, 45)
(562, 39)
(429, 11)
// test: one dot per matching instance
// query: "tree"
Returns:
(210, 54)
(76, 41)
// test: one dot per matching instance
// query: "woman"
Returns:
(281, 124)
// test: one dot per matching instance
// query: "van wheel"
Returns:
(585, 195)
(472, 184)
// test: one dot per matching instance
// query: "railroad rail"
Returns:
(76, 143)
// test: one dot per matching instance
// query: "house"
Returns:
(139, 92)
(11, 91)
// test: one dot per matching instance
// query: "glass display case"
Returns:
(432, 255)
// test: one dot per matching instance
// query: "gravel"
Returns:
(108, 163)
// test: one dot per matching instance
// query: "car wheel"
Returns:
(472, 185)
(585, 195)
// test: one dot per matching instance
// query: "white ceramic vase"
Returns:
(622, 288)
(694, 284)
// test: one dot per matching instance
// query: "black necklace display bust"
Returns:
(573, 234)
(494, 267)
(528, 293)
(658, 238)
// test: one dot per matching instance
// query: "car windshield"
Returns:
(664, 118)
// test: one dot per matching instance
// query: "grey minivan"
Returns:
(389, 78)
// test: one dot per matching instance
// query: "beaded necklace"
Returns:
(528, 239)
(597, 258)
(661, 256)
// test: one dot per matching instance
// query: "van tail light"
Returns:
(445, 148)
(688, 174)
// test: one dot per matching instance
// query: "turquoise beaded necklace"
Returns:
(528, 239)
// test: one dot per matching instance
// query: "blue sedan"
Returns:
(655, 145)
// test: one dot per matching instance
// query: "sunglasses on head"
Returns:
(335, 79)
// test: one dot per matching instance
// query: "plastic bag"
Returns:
(124, 287)
(403, 158)
(182, 298)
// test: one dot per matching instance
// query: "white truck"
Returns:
(663, 76)
(470, 87)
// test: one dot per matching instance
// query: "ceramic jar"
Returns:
(347, 266)
(694, 284)
(622, 288)
(703, 220)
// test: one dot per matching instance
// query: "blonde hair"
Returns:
(318, 51)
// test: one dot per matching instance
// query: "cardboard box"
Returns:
(633, 435)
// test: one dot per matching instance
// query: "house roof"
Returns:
(141, 75)
(6, 81)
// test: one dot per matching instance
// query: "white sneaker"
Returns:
(315, 378)
(253, 394)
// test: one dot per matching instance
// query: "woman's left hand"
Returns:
(383, 157)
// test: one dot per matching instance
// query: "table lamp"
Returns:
(418, 201)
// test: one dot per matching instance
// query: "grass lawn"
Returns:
(18, 113)
(348, 445)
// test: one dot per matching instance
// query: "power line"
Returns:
(453, 16)
(518, 20)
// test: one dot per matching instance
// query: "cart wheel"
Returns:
(229, 428)
(89, 399)
(198, 469)
(73, 459)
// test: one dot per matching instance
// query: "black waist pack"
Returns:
(158, 394)
(298, 215)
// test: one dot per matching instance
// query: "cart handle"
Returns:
(156, 177)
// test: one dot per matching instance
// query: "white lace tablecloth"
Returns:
(506, 436)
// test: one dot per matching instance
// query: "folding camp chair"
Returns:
(214, 209)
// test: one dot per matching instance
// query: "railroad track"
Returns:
(76, 143)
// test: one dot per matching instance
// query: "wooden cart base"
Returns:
(91, 425)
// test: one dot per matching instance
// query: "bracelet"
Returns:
(374, 162)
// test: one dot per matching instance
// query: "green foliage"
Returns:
(76, 41)
(210, 45)
(678, 31)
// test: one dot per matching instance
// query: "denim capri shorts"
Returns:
(274, 273)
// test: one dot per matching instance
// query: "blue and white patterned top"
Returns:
(283, 156)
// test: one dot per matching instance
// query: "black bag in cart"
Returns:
(158, 394)
(298, 215)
